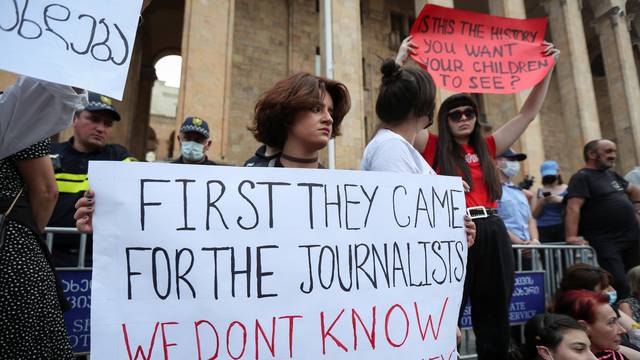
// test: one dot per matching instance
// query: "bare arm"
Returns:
(625, 308)
(634, 194)
(533, 229)
(41, 188)
(572, 218)
(507, 134)
(515, 239)
(536, 205)
(630, 353)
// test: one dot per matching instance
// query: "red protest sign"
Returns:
(466, 51)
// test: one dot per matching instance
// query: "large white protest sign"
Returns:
(202, 262)
(85, 43)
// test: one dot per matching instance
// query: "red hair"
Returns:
(580, 304)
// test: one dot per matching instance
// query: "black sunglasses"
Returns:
(456, 116)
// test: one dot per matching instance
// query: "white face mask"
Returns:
(510, 168)
(192, 151)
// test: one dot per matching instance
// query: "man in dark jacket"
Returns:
(91, 130)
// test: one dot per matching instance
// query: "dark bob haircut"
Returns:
(276, 109)
(404, 91)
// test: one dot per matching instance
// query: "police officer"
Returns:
(91, 130)
(513, 206)
(194, 142)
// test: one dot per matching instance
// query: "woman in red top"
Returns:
(462, 150)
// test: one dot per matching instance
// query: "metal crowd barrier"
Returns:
(553, 259)
(82, 248)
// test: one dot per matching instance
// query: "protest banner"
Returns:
(466, 51)
(201, 262)
(87, 44)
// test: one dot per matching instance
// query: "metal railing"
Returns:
(554, 259)
(49, 233)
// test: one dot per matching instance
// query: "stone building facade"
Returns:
(233, 50)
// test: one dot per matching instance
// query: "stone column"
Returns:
(347, 68)
(531, 141)
(140, 122)
(622, 78)
(127, 108)
(573, 71)
(441, 93)
(205, 85)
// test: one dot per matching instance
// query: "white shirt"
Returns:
(32, 110)
(388, 151)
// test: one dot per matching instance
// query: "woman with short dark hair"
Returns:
(299, 115)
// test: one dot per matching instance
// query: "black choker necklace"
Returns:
(299, 160)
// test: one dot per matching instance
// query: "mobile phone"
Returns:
(546, 193)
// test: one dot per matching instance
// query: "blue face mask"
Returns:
(192, 151)
(510, 168)
(613, 296)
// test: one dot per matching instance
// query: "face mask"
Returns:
(192, 151)
(613, 296)
(510, 168)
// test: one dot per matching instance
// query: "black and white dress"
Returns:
(31, 322)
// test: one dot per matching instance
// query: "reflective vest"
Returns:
(71, 167)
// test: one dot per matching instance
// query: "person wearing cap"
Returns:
(547, 207)
(513, 206)
(602, 211)
(91, 130)
(194, 142)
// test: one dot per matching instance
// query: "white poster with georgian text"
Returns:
(215, 262)
(87, 44)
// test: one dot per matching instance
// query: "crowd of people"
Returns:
(294, 121)
(586, 320)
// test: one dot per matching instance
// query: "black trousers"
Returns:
(617, 257)
(489, 285)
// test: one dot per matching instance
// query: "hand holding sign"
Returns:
(487, 54)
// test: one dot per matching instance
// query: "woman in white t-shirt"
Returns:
(405, 106)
